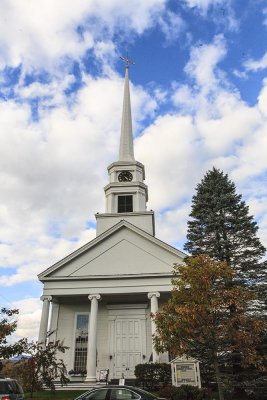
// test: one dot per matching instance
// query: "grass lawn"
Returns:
(58, 395)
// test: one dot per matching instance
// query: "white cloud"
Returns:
(204, 4)
(264, 12)
(213, 126)
(203, 62)
(29, 317)
(53, 170)
(256, 65)
(240, 74)
(171, 25)
(165, 148)
(262, 99)
(172, 225)
(220, 11)
(34, 33)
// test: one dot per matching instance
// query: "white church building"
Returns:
(99, 298)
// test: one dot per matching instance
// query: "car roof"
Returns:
(111, 387)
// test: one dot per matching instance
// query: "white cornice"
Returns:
(109, 277)
(120, 185)
(121, 215)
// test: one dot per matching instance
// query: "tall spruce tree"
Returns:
(221, 227)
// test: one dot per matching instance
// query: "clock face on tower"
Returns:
(125, 176)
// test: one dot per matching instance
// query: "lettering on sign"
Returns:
(185, 373)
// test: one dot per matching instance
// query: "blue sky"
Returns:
(199, 99)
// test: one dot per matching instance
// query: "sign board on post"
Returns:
(185, 371)
(103, 375)
(122, 380)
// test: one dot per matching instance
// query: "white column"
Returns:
(154, 308)
(54, 321)
(44, 319)
(91, 351)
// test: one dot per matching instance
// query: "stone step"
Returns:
(77, 386)
(87, 386)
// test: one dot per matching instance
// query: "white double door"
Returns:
(127, 343)
(128, 347)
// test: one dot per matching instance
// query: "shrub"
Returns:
(153, 375)
(184, 392)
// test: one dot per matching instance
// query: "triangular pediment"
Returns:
(123, 250)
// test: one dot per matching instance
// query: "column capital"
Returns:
(94, 296)
(44, 297)
(153, 294)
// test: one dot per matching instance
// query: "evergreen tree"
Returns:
(221, 227)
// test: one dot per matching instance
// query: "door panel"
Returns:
(133, 360)
(128, 346)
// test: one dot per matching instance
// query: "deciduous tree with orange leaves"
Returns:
(198, 322)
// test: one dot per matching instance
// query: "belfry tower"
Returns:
(126, 193)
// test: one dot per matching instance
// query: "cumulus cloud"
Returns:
(203, 62)
(43, 210)
(264, 12)
(256, 65)
(212, 126)
(204, 4)
(29, 317)
(34, 33)
(220, 11)
(171, 25)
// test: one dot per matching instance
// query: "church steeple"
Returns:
(126, 141)
(126, 193)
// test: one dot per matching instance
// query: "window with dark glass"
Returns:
(123, 394)
(125, 204)
(81, 344)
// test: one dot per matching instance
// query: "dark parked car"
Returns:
(10, 390)
(116, 392)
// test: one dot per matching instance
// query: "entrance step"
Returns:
(77, 386)
(87, 386)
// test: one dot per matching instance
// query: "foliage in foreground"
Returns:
(42, 368)
(198, 322)
(42, 364)
(8, 325)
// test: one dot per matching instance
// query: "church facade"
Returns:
(99, 299)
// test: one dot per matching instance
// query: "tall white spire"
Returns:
(126, 141)
(126, 193)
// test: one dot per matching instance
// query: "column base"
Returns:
(90, 379)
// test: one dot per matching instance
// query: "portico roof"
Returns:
(90, 260)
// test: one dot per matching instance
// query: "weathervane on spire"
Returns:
(127, 61)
